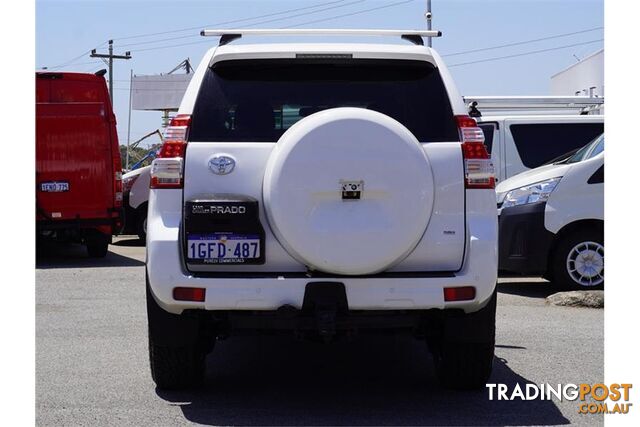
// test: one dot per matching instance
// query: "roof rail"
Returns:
(582, 104)
(229, 35)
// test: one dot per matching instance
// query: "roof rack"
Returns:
(582, 104)
(229, 35)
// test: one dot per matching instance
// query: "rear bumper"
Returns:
(115, 223)
(524, 240)
(402, 291)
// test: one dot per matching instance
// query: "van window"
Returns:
(540, 142)
(488, 130)
(258, 100)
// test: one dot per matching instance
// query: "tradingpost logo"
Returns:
(591, 398)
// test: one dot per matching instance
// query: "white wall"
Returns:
(581, 76)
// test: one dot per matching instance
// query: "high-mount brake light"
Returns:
(166, 169)
(478, 167)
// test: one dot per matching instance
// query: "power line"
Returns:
(350, 14)
(525, 53)
(230, 22)
(248, 25)
(464, 52)
(70, 62)
(110, 57)
(358, 12)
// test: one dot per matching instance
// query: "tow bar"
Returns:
(325, 301)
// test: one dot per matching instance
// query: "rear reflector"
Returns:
(189, 294)
(166, 173)
(464, 293)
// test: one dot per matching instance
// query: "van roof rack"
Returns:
(229, 35)
(582, 104)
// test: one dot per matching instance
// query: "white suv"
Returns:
(322, 189)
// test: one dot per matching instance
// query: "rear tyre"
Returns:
(464, 356)
(97, 244)
(578, 261)
(178, 346)
(176, 367)
(465, 366)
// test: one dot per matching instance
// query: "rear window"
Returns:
(539, 143)
(258, 100)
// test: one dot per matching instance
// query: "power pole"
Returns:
(110, 56)
(429, 15)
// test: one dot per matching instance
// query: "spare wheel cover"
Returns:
(303, 198)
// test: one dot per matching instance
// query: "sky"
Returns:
(66, 30)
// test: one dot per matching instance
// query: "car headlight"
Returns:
(538, 192)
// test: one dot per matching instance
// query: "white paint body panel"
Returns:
(468, 249)
(139, 192)
(166, 271)
(573, 199)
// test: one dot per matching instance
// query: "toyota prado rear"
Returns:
(322, 191)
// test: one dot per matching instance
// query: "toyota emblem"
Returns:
(222, 165)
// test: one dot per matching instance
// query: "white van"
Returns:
(552, 220)
(518, 143)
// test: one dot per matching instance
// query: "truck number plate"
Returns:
(223, 248)
(54, 186)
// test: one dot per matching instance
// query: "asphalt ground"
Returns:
(92, 364)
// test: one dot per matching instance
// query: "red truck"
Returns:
(78, 168)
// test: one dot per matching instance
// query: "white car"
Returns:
(520, 143)
(135, 187)
(322, 189)
(552, 220)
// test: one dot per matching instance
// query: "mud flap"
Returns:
(168, 329)
(477, 327)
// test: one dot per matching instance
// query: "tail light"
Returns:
(117, 180)
(478, 167)
(167, 168)
(128, 182)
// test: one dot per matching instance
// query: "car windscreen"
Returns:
(588, 151)
(258, 100)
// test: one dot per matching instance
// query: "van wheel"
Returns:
(97, 244)
(176, 367)
(578, 261)
(466, 364)
(141, 224)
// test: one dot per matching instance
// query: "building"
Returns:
(584, 78)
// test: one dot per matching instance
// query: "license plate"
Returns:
(54, 186)
(223, 248)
